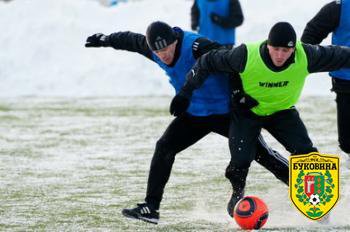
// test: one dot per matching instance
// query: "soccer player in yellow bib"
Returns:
(272, 75)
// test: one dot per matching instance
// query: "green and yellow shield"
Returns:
(314, 183)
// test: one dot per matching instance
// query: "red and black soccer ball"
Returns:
(251, 213)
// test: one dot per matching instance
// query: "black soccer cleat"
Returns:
(235, 197)
(144, 212)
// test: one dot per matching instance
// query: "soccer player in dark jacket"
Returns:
(272, 74)
(176, 51)
(217, 19)
(334, 18)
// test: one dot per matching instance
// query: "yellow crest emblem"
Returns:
(314, 183)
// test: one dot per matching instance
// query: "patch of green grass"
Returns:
(5, 108)
(5, 118)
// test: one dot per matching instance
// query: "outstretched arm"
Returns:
(327, 58)
(129, 41)
(324, 22)
(219, 60)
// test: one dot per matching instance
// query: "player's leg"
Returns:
(288, 128)
(270, 159)
(343, 116)
(243, 137)
(180, 134)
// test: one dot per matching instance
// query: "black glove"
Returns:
(216, 18)
(97, 40)
(194, 27)
(243, 101)
(179, 105)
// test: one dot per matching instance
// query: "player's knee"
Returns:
(163, 152)
(160, 145)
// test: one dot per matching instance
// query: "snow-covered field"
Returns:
(78, 126)
(73, 164)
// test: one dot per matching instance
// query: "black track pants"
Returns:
(342, 90)
(186, 130)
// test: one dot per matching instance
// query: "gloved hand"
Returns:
(243, 101)
(216, 18)
(179, 105)
(194, 27)
(97, 40)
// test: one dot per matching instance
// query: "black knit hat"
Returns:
(282, 34)
(159, 35)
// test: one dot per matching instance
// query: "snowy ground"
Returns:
(74, 160)
(74, 163)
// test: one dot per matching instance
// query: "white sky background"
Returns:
(43, 50)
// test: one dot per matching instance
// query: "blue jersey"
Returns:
(211, 30)
(341, 36)
(214, 95)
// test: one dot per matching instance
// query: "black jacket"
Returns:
(135, 42)
(324, 22)
(320, 59)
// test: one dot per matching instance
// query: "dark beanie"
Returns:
(159, 35)
(282, 34)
